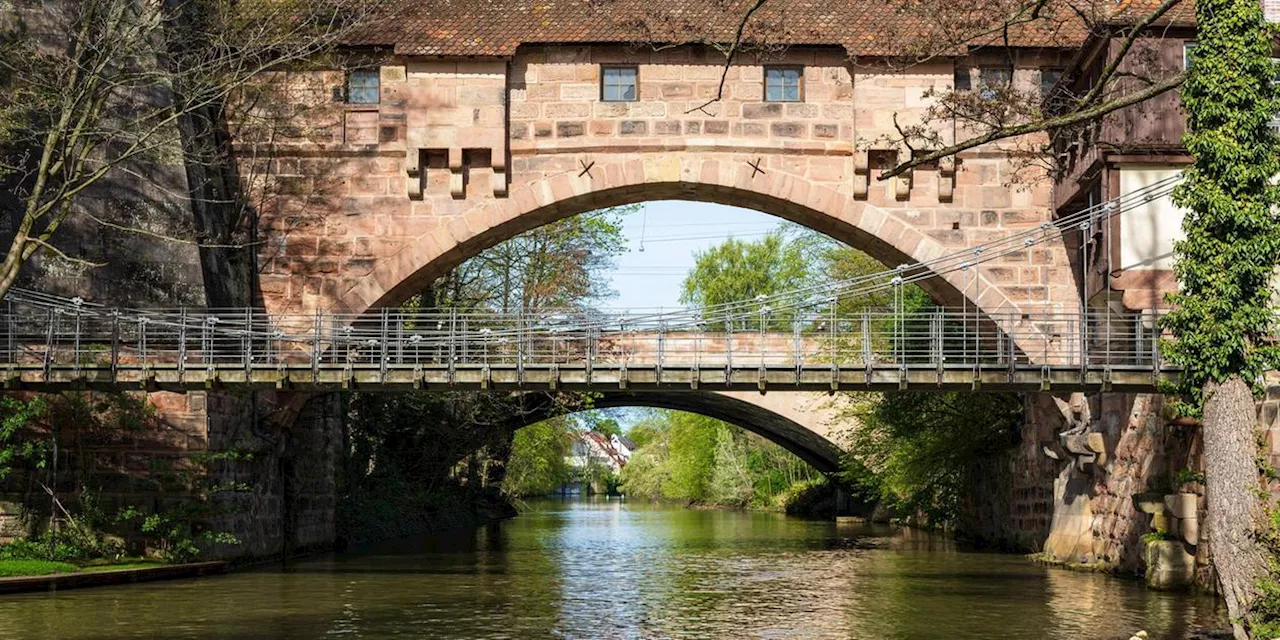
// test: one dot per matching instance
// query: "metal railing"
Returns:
(182, 348)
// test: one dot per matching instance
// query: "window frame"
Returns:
(987, 90)
(350, 87)
(1188, 46)
(799, 69)
(604, 83)
(1045, 90)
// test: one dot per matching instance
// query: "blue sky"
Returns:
(670, 232)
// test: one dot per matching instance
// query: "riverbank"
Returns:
(102, 575)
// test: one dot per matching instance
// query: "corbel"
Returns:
(902, 181)
(457, 184)
(946, 178)
(861, 173)
(413, 168)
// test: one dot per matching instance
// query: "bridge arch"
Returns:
(805, 424)
(887, 236)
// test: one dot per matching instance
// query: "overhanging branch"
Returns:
(1066, 120)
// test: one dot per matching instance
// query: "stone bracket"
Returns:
(457, 179)
(861, 174)
(946, 179)
(902, 182)
(458, 171)
(413, 169)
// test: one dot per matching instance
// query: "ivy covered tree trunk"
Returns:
(1223, 315)
(1231, 490)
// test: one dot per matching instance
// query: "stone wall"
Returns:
(1078, 510)
(366, 204)
(278, 455)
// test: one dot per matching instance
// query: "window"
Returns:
(1188, 50)
(782, 84)
(993, 80)
(1049, 78)
(362, 86)
(618, 84)
(962, 80)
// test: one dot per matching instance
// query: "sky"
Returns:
(662, 239)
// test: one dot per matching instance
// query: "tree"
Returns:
(558, 265)
(917, 450)
(99, 87)
(1224, 320)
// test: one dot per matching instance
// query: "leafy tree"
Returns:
(917, 451)
(537, 465)
(739, 271)
(697, 459)
(558, 265)
(1224, 316)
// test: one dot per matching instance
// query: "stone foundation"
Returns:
(276, 455)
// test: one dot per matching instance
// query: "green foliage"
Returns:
(537, 465)
(179, 532)
(737, 270)
(20, 442)
(916, 450)
(1188, 476)
(11, 568)
(557, 265)
(1155, 536)
(697, 459)
(1223, 314)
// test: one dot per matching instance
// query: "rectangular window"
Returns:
(1049, 78)
(363, 86)
(618, 84)
(1188, 50)
(783, 84)
(962, 81)
(994, 80)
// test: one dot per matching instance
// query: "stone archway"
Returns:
(806, 424)
(885, 235)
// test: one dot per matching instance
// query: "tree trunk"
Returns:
(1231, 494)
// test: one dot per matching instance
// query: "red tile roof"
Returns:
(862, 27)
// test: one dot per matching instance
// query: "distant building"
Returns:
(591, 449)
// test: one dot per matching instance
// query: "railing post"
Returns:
(115, 344)
(142, 341)
(10, 337)
(383, 353)
(728, 349)
(1156, 365)
(592, 346)
(938, 354)
(248, 340)
(520, 348)
(315, 349)
(75, 353)
(868, 358)
(48, 343)
(763, 314)
(662, 336)
(798, 358)
(453, 341)
(182, 343)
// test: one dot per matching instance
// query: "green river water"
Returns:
(610, 569)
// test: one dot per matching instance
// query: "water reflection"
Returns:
(613, 570)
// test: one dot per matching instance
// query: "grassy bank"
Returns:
(15, 568)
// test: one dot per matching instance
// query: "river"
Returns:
(609, 569)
